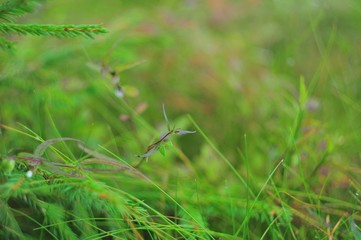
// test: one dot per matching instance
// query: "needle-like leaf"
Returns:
(165, 117)
(183, 132)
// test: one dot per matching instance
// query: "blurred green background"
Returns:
(234, 66)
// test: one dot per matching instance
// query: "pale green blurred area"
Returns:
(232, 65)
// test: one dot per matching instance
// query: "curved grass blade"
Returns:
(165, 117)
(102, 159)
(110, 162)
(41, 148)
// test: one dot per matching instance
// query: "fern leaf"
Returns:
(60, 31)
(11, 9)
(40, 149)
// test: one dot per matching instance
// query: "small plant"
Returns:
(160, 144)
(61, 199)
(10, 10)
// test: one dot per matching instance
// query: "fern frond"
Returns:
(61, 31)
(11, 9)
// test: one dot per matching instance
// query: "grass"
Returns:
(273, 98)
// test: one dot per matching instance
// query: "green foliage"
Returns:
(87, 31)
(11, 9)
(273, 97)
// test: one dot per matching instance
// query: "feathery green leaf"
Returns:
(60, 31)
(11, 9)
